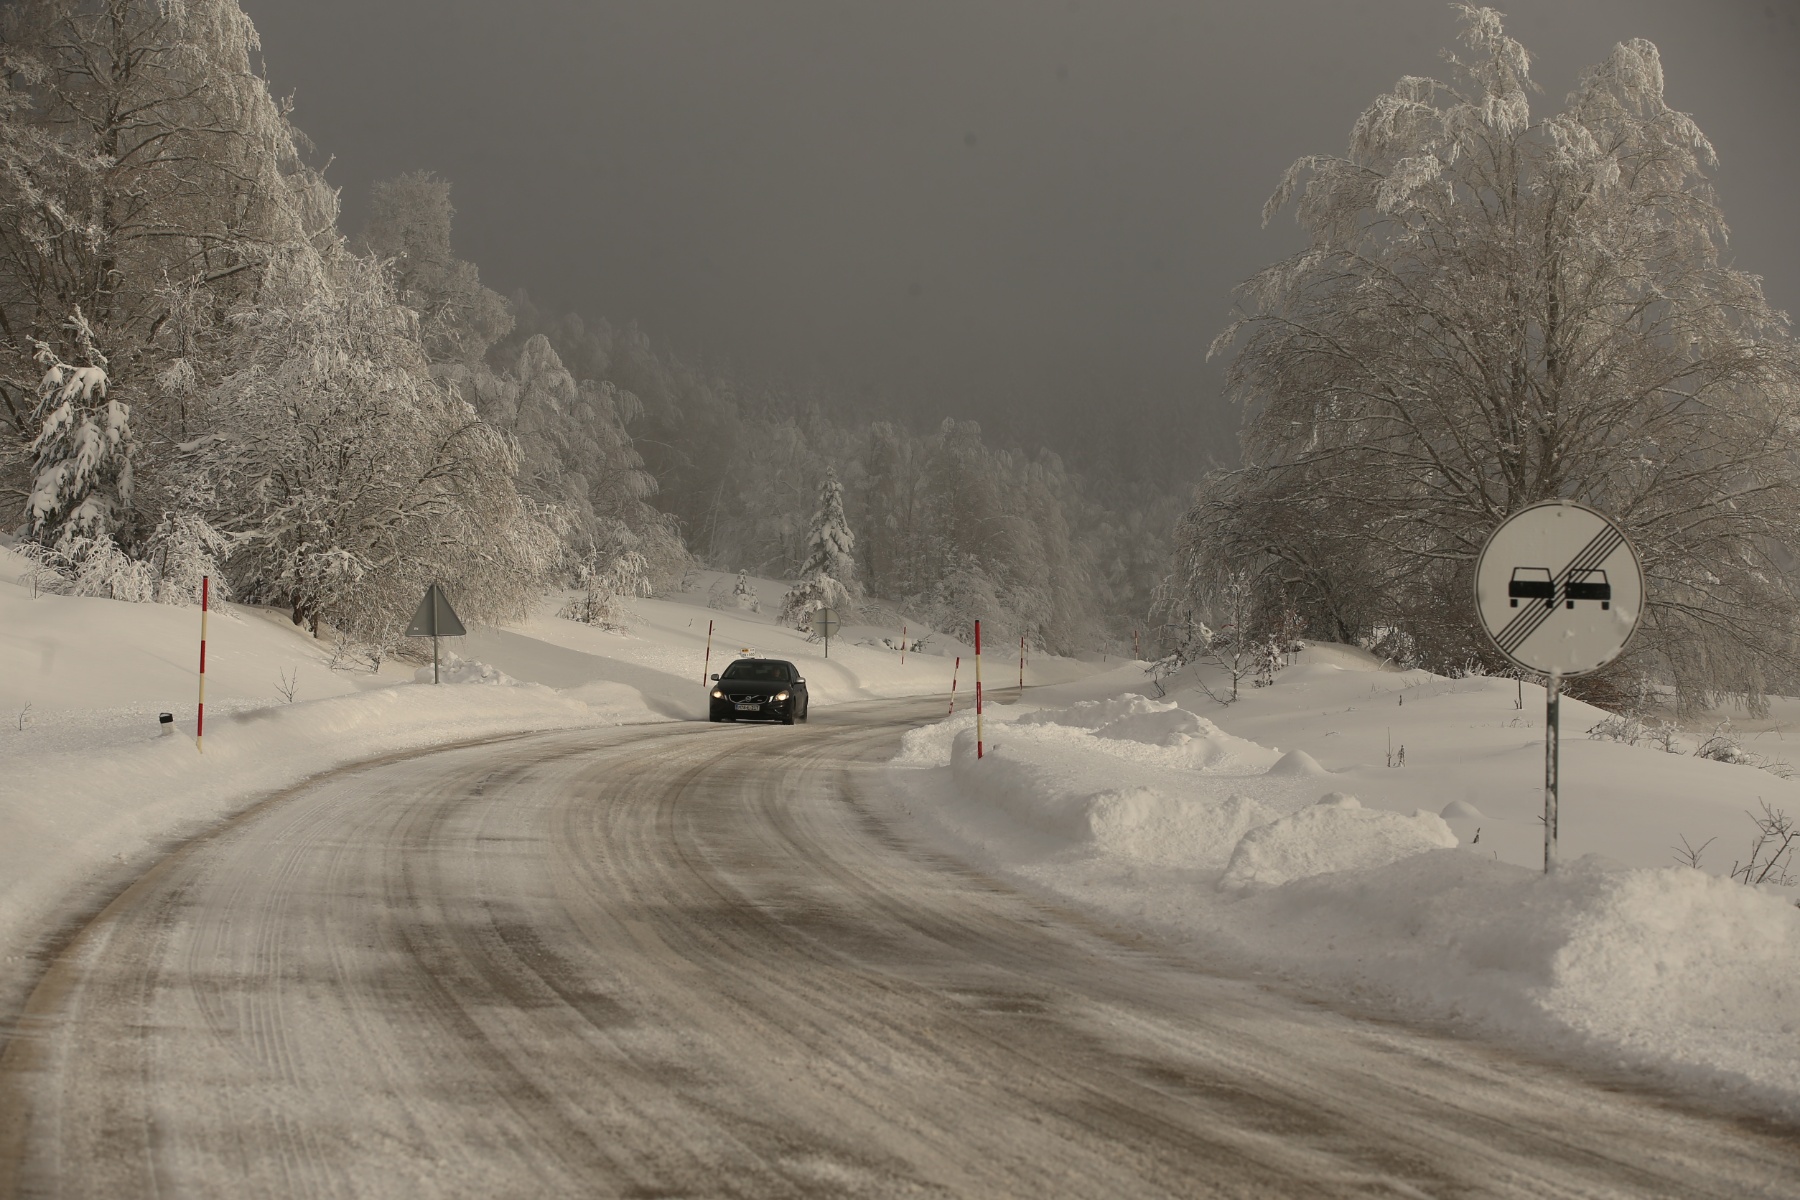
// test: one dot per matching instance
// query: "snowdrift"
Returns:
(1152, 814)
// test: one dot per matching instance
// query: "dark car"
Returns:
(760, 689)
(1532, 583)
(1588, 585)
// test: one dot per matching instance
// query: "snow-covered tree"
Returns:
(1495, 309)
(409, 224)
(352, 478)
(184, 547)
(828, 577)
(83, 448)
(146, 178)
(611, 577)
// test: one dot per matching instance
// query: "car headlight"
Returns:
(781, 695)
(717, 694)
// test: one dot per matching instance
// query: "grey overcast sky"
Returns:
(1027, 211)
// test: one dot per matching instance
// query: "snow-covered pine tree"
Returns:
(831, 547)
(828, 577)
(82, 451)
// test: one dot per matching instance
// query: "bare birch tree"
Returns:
(1495, 309)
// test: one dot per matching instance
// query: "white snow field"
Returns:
(89, 784)
(1269, 834)
(1272, 836)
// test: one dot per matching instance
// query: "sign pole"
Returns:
(434, 619)
(978, 747)
(200, 713)
(1552, 757)
(1559, 588)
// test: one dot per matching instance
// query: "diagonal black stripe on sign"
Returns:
(1514, 632)
(1529, 621)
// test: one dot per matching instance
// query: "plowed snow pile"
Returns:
(1154, 815)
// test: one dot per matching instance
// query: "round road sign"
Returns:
(1559, 589)
(827, 621)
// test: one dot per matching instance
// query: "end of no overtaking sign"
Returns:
(1559, 589)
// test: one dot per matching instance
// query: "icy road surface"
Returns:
(688, 961)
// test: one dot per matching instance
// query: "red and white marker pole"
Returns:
(954, 672)
(706, 667)
(979, 752)
(200, 713)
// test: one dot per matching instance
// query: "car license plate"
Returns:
(747, 706)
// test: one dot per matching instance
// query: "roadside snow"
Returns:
(90, 782)
(1154, 815)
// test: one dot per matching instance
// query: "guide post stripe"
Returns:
(1532, 618)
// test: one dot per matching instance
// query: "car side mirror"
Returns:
(715, 675)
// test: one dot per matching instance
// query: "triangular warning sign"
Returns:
(435, 617)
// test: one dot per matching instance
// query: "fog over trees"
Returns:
(202, 372)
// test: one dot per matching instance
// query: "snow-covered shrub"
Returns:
(807, 597)
(1631, 729)
(608, 585)
(79, 565)
(1725, 746)
(740, 594)
(183, 549)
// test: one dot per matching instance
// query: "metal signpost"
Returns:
(1559, 589)
(435, 619)
(828, 625)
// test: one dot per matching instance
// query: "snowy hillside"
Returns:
(1272, 834)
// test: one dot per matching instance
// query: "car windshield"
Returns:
(761, 672)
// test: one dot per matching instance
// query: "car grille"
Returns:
(747, 698)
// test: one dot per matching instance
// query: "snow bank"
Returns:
(1684, 974)
(70, 813)
(1336, 834)
(1133, 814)
(461, 670)
(1669, 968)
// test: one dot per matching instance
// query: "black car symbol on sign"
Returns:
(1532, 583)
(1588, 585)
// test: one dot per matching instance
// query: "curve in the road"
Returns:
(692, 961)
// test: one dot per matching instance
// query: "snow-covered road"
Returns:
(691, 960)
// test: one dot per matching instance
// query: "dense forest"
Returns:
(201, 372)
